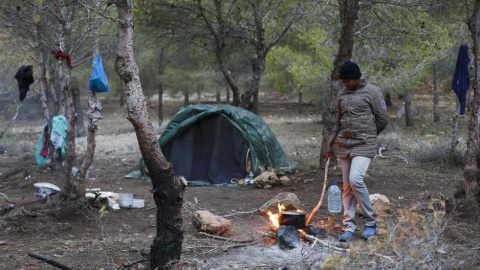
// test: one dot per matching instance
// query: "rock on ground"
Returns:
(288, 199)
(266, 178)
(380, 204)
(208, 222)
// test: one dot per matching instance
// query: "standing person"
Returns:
(361, 114)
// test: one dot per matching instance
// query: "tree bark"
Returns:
(300, 103)
(388, 99)
(408, 108)
(167, 189)
(436, 113)
(68, 188)
(77, 105)
(472, 156)
(227, 96)
(52, 85)
(186, 98)
(42, 83)
(94, 108)
(348, 11)
(161, 71)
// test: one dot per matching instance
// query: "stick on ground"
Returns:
(49, 261)
(323, 193)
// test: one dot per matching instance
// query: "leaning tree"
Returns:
(167, 188)
(471, 171)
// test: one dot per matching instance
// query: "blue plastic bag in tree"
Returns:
(98, 80)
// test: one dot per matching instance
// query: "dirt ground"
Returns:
(79, 236)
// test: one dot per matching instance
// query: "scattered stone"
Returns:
(208, 222)
(287, 237)
(389, 140)
(2, 243)
(267, 187)
(266, 178)
(288, 199)
(312, 230)
(285, 181)
(380, 205)
(307, 181)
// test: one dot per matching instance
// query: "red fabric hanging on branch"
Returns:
(60, 54)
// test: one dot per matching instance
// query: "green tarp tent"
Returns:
(216, 144)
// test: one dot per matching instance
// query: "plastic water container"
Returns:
(334, 198)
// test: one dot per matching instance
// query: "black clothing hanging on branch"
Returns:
(24, 78)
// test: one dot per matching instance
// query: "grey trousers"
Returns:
(355, 192)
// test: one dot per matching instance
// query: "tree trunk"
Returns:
(63, 99)
(388, 99)
(77, 105)
(199, 92)
(186, 99)
(42, 83)
(218, 96)
(258, 67)
(436, 113)
(94, 108)
(300, 103)
(408, 108)
(348, 11)
(167, 189)
(227, 96)
(471, 170)
(68, 188)
(52, 86)
(161, 71)
(228, 77)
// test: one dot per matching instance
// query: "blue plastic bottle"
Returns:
(334, 198)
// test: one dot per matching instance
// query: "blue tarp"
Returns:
(461, 77)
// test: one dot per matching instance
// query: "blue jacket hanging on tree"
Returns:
(461, 77)
(98, 79)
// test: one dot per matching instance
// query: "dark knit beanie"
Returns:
(349, 71)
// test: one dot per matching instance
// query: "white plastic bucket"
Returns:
(125, 200)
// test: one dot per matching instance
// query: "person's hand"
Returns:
(328, 152)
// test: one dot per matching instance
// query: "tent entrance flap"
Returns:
(211, 150)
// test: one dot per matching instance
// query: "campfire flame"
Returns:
(275, 218)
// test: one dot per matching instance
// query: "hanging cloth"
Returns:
(461, 77)
(98, 79)
(59, 54)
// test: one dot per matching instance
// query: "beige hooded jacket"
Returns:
(361, 115)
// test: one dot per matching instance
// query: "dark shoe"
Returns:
(346, 236)
(368, 232)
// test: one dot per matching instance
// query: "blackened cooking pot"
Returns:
(295, 219)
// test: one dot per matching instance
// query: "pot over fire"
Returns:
(295, 219)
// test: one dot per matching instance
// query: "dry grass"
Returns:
(414, 239)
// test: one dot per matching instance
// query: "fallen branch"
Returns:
(132, 264)
(323, 193)
(223, 247)
(28, 213)
(49, 261)
(226, 239)
(12, 172)
(242, 213)
(328, 245)
(7, 125)
(380, 155)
